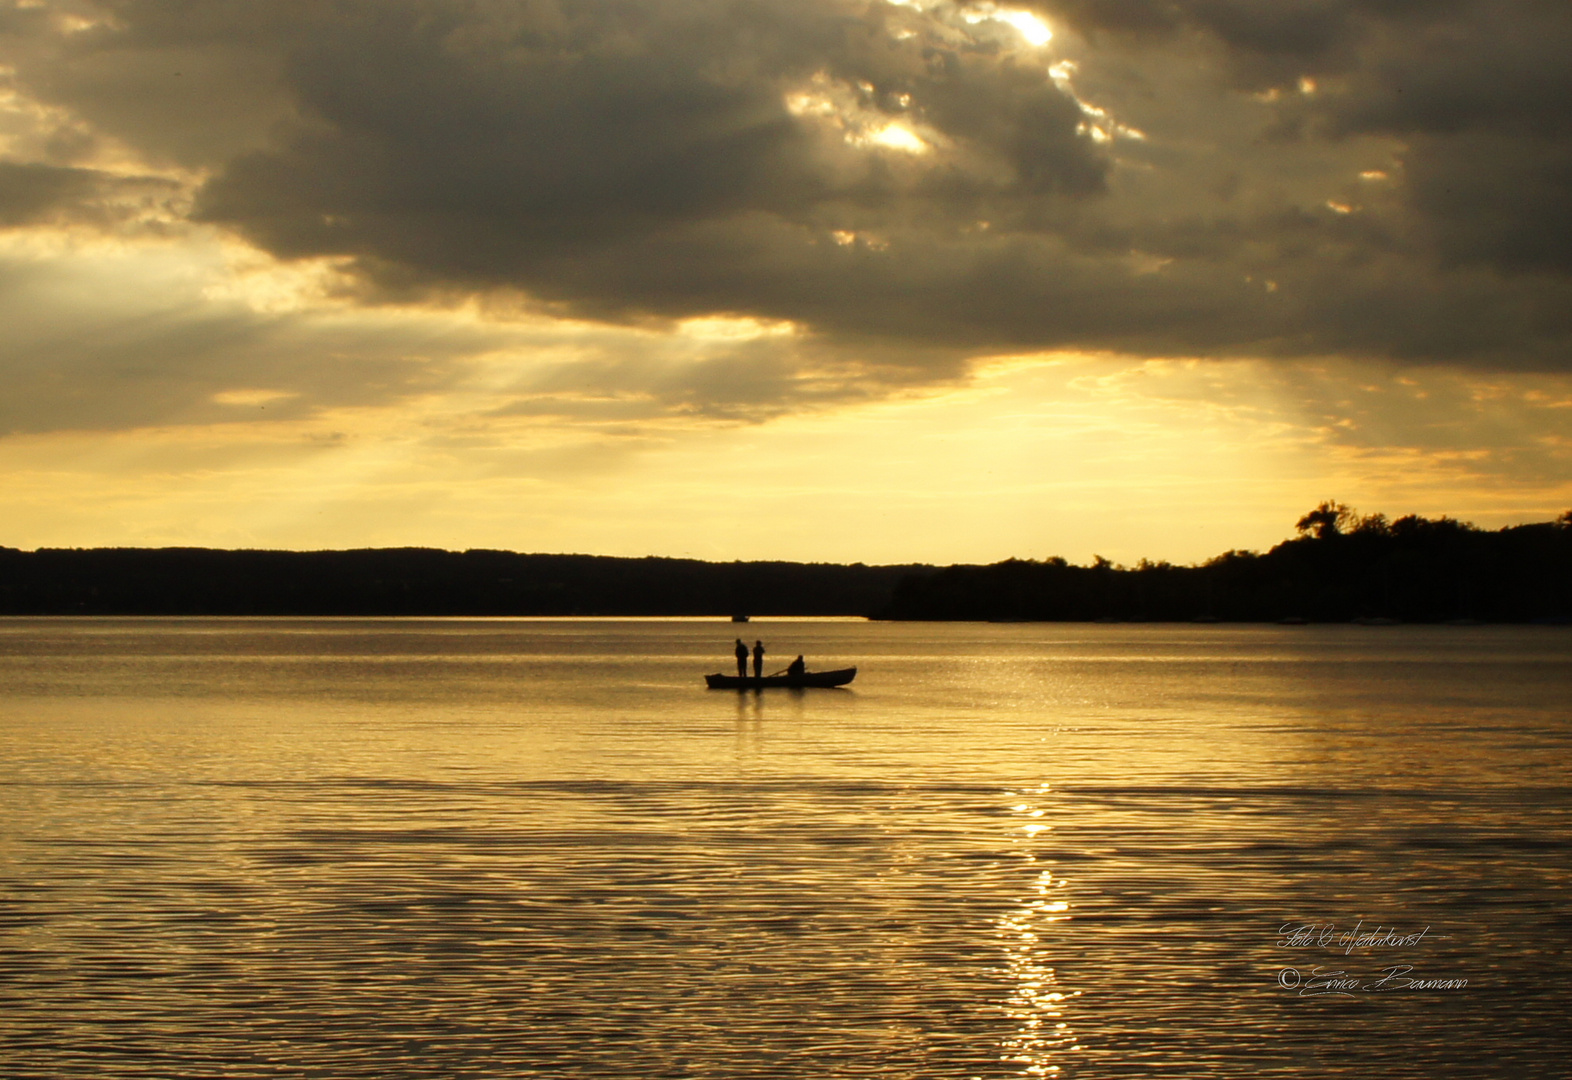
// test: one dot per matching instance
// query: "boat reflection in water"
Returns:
(1035, 1002)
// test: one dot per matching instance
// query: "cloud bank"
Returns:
(900, 186)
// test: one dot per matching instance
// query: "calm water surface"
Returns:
(497, 848)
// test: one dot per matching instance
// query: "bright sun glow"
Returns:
(896, 137)
(847, 108)
(1028, 25)
(733, 328)
(1032, 28)
(252, 397)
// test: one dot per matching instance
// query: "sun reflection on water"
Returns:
(1036, 1001)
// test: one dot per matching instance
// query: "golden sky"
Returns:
(796, 279)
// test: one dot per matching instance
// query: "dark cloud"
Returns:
(1494, 199)
(447, 137)
(613, 379)
(1320, 33)
(185, 83)
(641, 161)
(1475, 89)
(1480, 103)
(121, 339)
(122, 344)
(31, 193)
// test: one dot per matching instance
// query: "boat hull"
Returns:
(790, 682)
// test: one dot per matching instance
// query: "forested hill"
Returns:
(1341, 567)
(424, 581)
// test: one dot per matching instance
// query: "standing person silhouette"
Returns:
(758, 659)
(742, 659)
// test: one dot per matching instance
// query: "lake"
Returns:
(540, 848)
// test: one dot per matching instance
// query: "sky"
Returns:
(821, 280)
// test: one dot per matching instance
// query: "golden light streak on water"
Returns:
(1042, 1041)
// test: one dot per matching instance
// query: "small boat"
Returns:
(739, 618)
(807, 678)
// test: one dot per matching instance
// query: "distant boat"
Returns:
(739, 618)
(807, 678)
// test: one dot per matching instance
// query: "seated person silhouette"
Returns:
(796, 669)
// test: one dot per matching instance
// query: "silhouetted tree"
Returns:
(1326, 521)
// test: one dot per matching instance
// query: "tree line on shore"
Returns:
(425, 581)
(1341, 566)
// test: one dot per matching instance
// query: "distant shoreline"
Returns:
(767, 620)
(1342, 568)
(427, 582)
